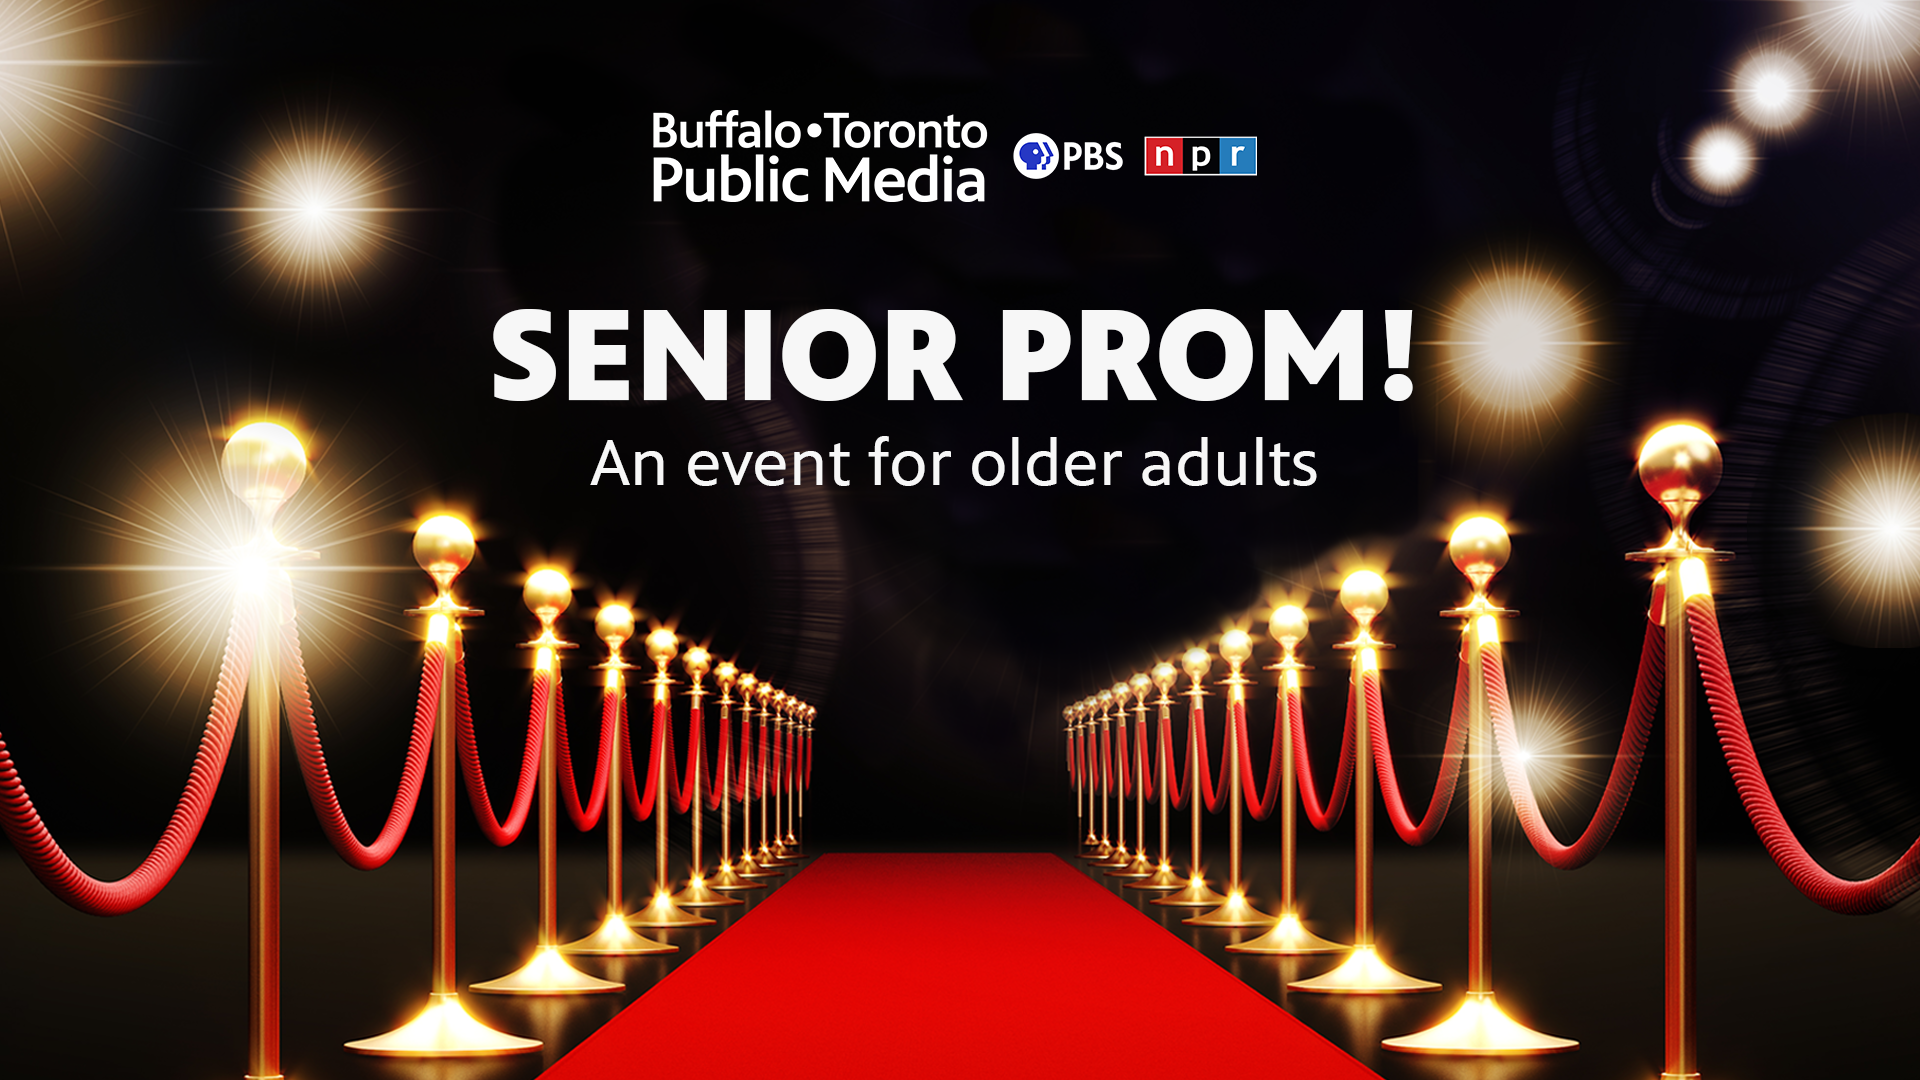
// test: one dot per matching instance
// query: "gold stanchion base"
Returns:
(1117, 856)
(1288, 938)
(547, 973)
(444, 1029)
(1101, 850)
(698, 894)
(1193, 894)
(1363, 972)
(663, 914)
(771, 859)
(1163, 880)
(754, 868)
(616, 938)
(1236, 913)
(1480, 1028)
(725, 880)
(1139, 867)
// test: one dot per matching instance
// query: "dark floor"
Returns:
(1787, 989)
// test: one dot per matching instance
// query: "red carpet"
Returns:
(949, 966)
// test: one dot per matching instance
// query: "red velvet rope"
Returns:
(1213, 790)
(586, 817)
(313, 759)
(684, 784)
(744, 778)
(1874, 894)
(806, 781)
(1142, 761)
(1260, 807)
(716, 792)
(1120, 759)
(1103, 748)
(1323, 816)
(641, 797)
(499, 833)
(74, 886)
(1176, 793)
(1443, 787)
(1626, 761)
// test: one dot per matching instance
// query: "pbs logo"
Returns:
(1036, 156)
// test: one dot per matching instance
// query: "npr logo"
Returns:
(1208, 156)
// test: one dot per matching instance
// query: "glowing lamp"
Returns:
(1288, 626)
(1364, 595)
(263, 464)
(547, 594)
(1679, 466)
(443, 546)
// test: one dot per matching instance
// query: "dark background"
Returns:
(940, 631)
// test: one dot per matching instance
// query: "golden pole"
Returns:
(752, 690)
(698, 893)
(263, 849)
(1289, 937)
(765, 856)
(774, 843)
(793, 777)
(444, 547)
(1195, 893)
(662, 646)
(547, 594)
(1236, 648)
(1090, 748)
(806, 767)
(1480, 547)
(1679, 466)
(1141, 866)
(1363, 594)
(613, 937)
(1114, 700)
(1163, 878)
(725, 879)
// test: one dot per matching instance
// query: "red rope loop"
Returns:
(586, 817)
(499, 833)
(1626, 762)
(717, 792)
(1176, 793)
(1260, 807)
(1120, 760)
(1865, 897)
(313, 758)
(74, 886)
(743, 778)
(1429, 824)
(806, 780)
(1143, 762)
(1323, 816)
(640, 797)
(1213, 789)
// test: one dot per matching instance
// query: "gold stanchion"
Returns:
(698, 893)
(1236, 648)
(1141, 866)
(614, 937)
(1679, 466)
(1479, 1027)
(1163, 878)
(444, 546)
(1083, 711)
(1289, 936)
(547, 594)
(725, 879)
(803, 777)
(1115, 698)
(752, 691)
(1195, 893)
(1363, 594)
(776, 846)
(661, 912)
(765, 855)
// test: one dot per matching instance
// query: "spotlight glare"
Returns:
(1865, 35)
(1516, 345)
(1771, 90)
(1721, 160)
(1866, 519)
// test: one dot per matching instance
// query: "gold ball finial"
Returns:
(1105, 699)
(1479, 547)
(443, 546)
(1164, 676)
(263, 463)
(763, 693)
(548, 592)
(1236, 647)
(1680, 466)
(748, 683)
(697, 663)
(1196, 663)
(1140, 684)
(726, 674)
(614, 625)
(1364, 595)
(1288, 626)
(662, 646)
(1122, 693)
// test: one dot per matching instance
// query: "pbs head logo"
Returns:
(1036, 156)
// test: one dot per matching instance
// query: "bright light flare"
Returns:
(1772, 90)
(1721, 160)
(1865, 34)
(55, 104)
(1866, 518)
(314, 211)
(1515, 345)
